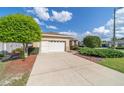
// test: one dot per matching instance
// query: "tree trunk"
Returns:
(25, 49)
(4, 48)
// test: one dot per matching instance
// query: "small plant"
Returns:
(17, 50)
(1, 55)
(74, 47)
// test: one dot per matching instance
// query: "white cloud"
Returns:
(62, 16)
(120, 12)
(101, 30)
(109, 23)
(39, 22)
(51, 27)
(30, 11)
(42, 13)
(43, 24)
(87, 33)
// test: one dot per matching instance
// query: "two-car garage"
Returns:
(54, 42)
(52, 46)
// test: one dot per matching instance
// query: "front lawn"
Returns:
(112, 58)
(114, 63)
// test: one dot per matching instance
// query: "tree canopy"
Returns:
(92, 41)
(19, 28)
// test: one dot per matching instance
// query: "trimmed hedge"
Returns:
(121, 47)
(104, 53)
(33, 51)
(19, 51)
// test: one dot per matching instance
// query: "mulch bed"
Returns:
(20, 65)
(91, 58)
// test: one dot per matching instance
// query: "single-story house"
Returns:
(55, 42)
(119, 43)
(8, 47)
(51, 42)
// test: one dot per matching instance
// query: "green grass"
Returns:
(122, 50)
(113, 63)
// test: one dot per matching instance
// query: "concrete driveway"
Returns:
(68, 69)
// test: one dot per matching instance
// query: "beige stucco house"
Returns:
(55, 42)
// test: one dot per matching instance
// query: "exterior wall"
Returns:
(67, 42)
(36, 44)
(74, 43)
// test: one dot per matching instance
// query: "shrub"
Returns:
(92, 41)
(17, 50)
(33, 50)
(1, 55)
(74, 47)
(22, 55)
(120, 47)
(105, 53)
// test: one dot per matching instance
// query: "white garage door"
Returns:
(52, 46)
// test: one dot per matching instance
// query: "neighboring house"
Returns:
(8, 47)
(117, 43)
(54, 42)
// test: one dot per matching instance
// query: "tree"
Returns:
(19, 28)
(92, 41)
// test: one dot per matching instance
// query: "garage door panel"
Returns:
(44, 46)
(52, 46)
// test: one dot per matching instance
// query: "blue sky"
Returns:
(78, 22)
